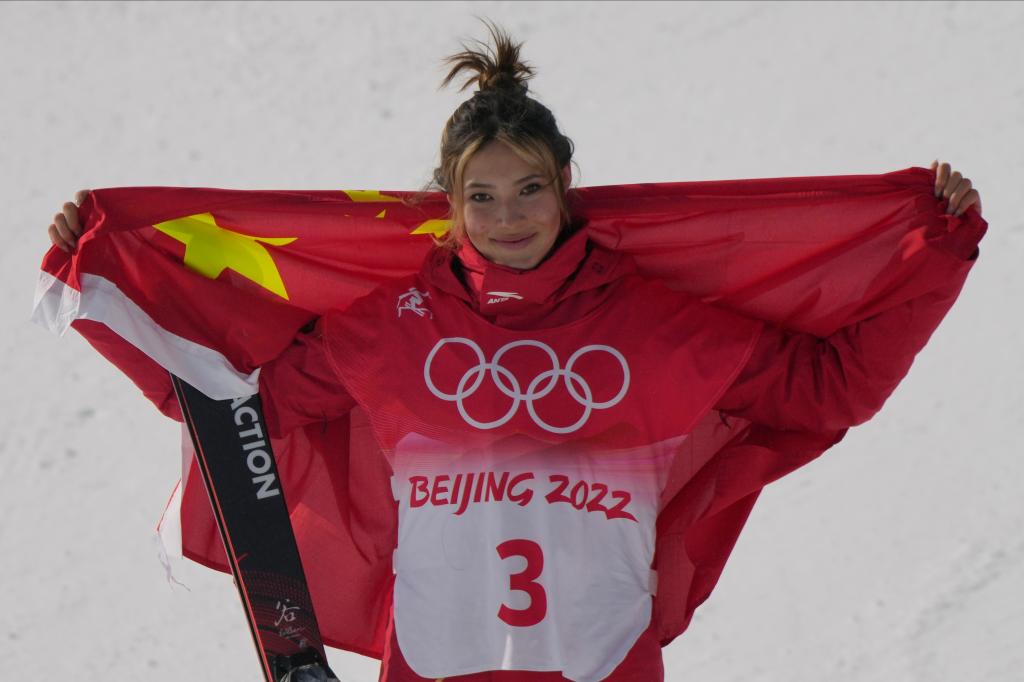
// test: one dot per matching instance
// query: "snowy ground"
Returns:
(898, 556)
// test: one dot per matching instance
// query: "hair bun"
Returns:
(502, 80)
(497, 68)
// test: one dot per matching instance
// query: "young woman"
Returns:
(522, 351)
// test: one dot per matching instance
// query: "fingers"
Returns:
(61, 234)
(956, 192)
(942, 172)
(969, 199)
(951, 188)
(952, 185)
(70, 212)
(57, 240)
(961, 194)
(66, 227)
(957, 189)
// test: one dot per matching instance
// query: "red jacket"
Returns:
(764, 379)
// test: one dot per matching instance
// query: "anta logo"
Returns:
(502, 296)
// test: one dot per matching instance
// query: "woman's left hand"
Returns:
(956, 188)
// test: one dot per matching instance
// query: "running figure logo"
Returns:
(412, 301)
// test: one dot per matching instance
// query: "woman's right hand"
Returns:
(65, 228)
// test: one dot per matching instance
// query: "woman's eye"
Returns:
(481, 197)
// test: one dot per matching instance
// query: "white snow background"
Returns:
(897, 556)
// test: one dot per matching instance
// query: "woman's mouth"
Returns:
(515, 243)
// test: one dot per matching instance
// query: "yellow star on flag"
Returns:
(361, 195)
(436, 226)
(209, 248)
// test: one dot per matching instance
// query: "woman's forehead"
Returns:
(497, 163)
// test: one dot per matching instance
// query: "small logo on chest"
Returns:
(413, 301)
(502, 296)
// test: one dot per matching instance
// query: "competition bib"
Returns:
(512, 561)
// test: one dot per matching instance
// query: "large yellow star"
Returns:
(209, 248)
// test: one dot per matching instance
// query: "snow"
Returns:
(898, 555)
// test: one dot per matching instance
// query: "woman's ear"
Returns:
(566, 176)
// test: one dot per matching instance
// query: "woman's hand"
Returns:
(954, 187)
(65, 228)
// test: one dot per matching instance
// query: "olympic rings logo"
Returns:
(540, 386)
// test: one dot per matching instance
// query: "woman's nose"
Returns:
(509, 213)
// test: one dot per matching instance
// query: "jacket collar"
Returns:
(493, 290)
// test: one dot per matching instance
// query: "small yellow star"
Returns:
(361, 195)
(435, 226)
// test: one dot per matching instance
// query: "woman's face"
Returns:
(511, 211)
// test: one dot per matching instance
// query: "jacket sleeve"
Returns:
(799, 381)
(300, 386)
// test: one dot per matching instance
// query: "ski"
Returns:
(234, 454)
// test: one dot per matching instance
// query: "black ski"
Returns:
(234, 454)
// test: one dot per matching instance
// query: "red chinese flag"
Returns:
(210, 284)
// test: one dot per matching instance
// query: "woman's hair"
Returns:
(501, 110)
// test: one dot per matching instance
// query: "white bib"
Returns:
(537, 562)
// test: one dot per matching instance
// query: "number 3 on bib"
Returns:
(524, 581)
